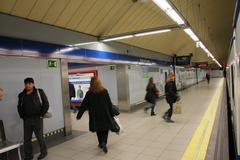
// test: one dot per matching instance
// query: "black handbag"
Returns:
(178, 98)
(115, 111)
(114, 127)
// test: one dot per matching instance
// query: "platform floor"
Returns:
(145, 137)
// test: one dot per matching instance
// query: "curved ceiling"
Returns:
(210, 19)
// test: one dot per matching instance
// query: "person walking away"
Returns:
(31, 110)
(171, 97)
(72, 94)
(208, 77)
(151, 96)
(80, 92)
(98, 103)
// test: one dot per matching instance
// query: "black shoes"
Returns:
(164, 117)
(104, 147)
(42, 155)
(153, 114)
(167, 119)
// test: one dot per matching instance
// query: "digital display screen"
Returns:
(183, 60)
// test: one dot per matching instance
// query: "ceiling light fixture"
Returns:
(167, 7)
(152, 32)
(173, 13)
(146, 33)
(117, 38)
(204, 48)
(191, 34)
(82, 44)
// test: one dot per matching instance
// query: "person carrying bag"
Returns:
(100, 109)
(47, 114)
(171, 97)
(32, 107)
(151, 95)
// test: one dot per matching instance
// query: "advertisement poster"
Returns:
(81, 84)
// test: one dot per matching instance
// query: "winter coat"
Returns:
(99, 108)
(171, 92)
(71, 90)
(37, 110)
(151, 94)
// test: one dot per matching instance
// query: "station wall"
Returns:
(13, 71)
(138, 80)
(216, 73)
(186, 77)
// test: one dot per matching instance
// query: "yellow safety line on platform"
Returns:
(197, 148)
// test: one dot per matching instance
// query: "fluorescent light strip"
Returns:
(151, 32)
(137, 35)
(211, 55)
(169, 10)
(117, 38)
(85, 43)
(172, 13)
(208, 53)
(191, 34)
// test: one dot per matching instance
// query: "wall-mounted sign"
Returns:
(202, 65)
(112, 67)
(52, 63)
(182, 60)
(145, 75)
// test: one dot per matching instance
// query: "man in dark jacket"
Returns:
(72, 94)
(71, 90)
(32, 109)
(171, 97)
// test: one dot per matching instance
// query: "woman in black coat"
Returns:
(99, 106)
(171, 97)
(151, 95)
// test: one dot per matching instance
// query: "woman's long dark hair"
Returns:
(150, 83)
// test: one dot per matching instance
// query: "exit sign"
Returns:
(112, 67)
(145, 75)
(52, 63)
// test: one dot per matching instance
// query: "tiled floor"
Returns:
(145, 137)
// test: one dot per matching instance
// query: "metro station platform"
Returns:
(151, 138)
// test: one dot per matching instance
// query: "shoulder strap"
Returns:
(39, 96)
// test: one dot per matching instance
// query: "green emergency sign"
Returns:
(52, 64)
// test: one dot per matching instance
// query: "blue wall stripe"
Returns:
(46, 49)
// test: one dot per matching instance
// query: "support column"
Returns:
(65, 98)
(123, 88)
